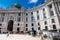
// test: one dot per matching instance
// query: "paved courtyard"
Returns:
(18, 37)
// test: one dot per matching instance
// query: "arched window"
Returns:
(19, 14)
(26, 29)
(46, 27)
(38, 28)
(18, 24)
(26, 25)
(54, 26)
(32, 24)
(39, 24)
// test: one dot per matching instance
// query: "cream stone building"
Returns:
(43, 17)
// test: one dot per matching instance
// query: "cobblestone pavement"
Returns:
(18, 37)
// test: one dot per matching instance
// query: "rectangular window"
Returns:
(45, 22)
(38, 24)
(54, 26)
(26, 25)
(0, 24)
(51, 13)
(46, 27)
(18, 29)
(26, 14)
(37, 17)
(53, 21)
(19, 14)
(18, 24)
(44, 15)
(32, 24)
(43, 9)
(37, 11)
(26, 29)
(31, 13)
(26, 19)
(19, 19)
(32, 18)
(38, 28)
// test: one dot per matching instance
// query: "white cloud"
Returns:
(33, 1)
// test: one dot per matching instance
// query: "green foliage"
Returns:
(18, 6)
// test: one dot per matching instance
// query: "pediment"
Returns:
(15, 7)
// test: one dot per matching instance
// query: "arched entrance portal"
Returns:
(10, 26)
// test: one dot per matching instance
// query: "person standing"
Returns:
(8, 33)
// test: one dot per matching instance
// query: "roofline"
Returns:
(40, 6)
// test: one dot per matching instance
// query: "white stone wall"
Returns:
(48, 19)
(22, 23)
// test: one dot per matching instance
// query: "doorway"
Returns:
(10, 26)
(18, 29)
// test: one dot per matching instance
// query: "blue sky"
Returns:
(25, 3)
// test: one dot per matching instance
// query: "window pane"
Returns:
(18, 24)
(37, 17)
(51, 13)
(26, 19)
(38, 28)
(45, 22)
(31, 13)
(32, 18)
(26, 14)
(43, 9)
(32, 24)
(54, 26)
(38, 24)
(37, 11)
(44, 15)
(18, 29)
(46, 27)
(19, 19)
(0, 24)
(26, 29)
(53, 21)
(26, 25)
(32, 28)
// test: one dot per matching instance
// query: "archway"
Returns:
(10, 26)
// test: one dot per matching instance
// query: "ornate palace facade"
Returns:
(43, 17)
